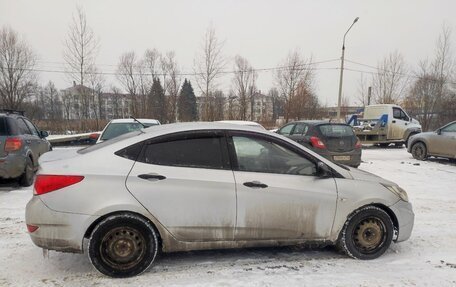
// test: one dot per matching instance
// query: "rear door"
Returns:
(186, 182)
(279, 195)
(41, 144)
(298, 132)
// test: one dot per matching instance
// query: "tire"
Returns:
(383, 144)
(398, 144)
(367, 233)
(26, 179)
(123, 245)
(419, 151)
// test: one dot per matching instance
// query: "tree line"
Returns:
(156, 87)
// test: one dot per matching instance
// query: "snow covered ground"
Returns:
(427, 259)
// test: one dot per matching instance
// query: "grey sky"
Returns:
(259, 30)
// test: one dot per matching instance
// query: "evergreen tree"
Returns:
(186, 105)
(158, 101)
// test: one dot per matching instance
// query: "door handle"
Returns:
(255, 184)
(152, 176)
(393, 122)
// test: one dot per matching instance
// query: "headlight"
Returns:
(397, 191)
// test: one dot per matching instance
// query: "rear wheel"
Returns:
(419, 151)
(26, 178)
(367, 233)
(123, 245)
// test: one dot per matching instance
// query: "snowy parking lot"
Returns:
(427, 259)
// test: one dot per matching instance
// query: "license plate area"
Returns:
(341, 157)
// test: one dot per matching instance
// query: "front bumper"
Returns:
(405, 217)
(58, 231)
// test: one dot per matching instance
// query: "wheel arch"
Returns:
(94, 224)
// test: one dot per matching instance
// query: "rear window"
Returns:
(336, 130)
(116, 129)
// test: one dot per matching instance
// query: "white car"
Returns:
(183, 187)
(119, 127)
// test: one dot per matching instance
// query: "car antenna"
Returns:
(132, 117)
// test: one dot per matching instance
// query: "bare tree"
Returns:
(430, 97)
(208, 67)
(81, 47)
(96, 84)
(128, 77)
(362, 97)
(172, 84)
(390, 82)
(17, 78)
(243, 81)
(294, 70)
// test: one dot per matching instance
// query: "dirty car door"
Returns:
(186, 183)
(279, 196)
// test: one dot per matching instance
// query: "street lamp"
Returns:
(342, 69)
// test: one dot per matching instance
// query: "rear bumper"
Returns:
(12, 165)
(58, 231)
(405, 218)
(355, 156)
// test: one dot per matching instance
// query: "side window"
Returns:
(450, 129)
(300, 129)
(286, 130)
(31, 127)
(201, 152)
(23, 129)
(396, 113)
(260, 155)
(404, 116)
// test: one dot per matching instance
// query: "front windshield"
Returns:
(116, 129)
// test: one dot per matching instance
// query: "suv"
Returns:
(21, 144)
(336, 142)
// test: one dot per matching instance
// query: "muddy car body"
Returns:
(195, 186)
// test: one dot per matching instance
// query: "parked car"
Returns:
(21, 144)
(244, 123)
(384, 124)
(440, 143)
(119, 127)
(191, 186)
(334, 141)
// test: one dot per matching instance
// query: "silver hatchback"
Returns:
(196, 186)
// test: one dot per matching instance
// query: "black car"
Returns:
(21, 144)
(337, 142)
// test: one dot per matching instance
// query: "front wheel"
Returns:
(419, 151)
(123, 245)
(367, 233)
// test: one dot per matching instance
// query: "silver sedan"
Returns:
(201, 186)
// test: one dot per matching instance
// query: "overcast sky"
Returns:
(260, 30)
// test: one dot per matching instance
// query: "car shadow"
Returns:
(392, 146)
(7, 185)
(444, 161)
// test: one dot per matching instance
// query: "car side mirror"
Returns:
(44, 134)
(439, 131)
(323, 170)
(94, 136)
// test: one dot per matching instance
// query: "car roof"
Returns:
(318, 122)
(149, 121)
(243, 123)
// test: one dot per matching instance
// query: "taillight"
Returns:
(317, 143)
(31, 228)
(45, 183)
(358, 143)
(13, 144)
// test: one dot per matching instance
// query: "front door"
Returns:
(279, 195)
(399, 124)
(444, 142)
(186, 183)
